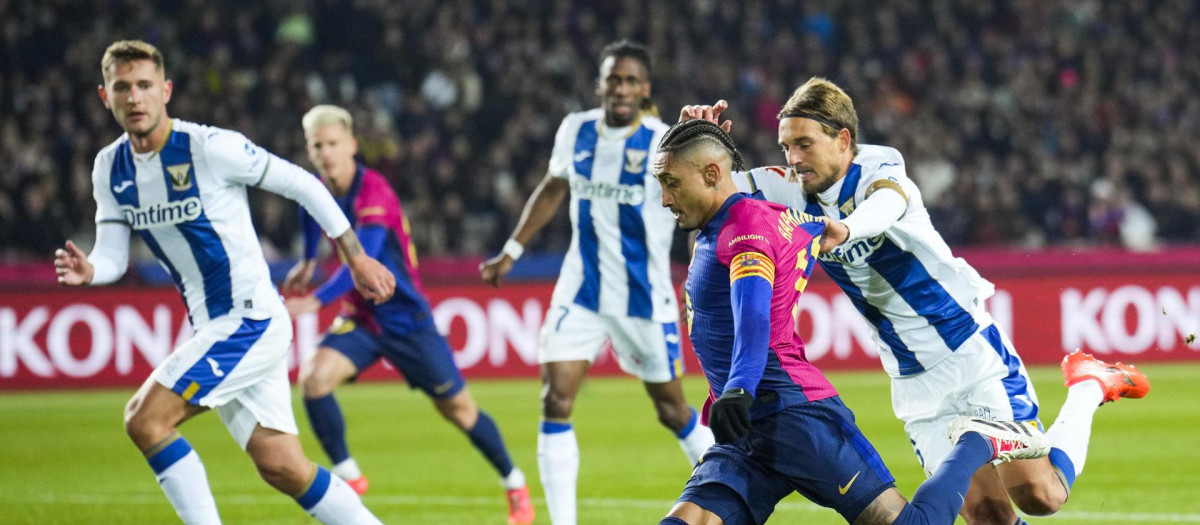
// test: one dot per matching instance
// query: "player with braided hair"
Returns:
(779, 424)
(615, 283)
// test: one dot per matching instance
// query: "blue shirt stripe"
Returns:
(906, 358)
(124, 175)
(905, 273)
(849, 186)
(633, 225)
(588, 295)
(206, 246)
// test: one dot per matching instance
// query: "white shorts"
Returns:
(237, 365)
(984, 378)
(644, 348)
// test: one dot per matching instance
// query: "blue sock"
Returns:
(671, 520)
(316, 490)
(940, 497)
(486, 437)
(327, 423)
(691, 425)
(1065, 467)
(168, 455)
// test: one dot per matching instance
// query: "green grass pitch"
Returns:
(65, 459)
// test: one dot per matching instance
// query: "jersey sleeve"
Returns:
(235, 159)
(107, 209)
(561, 157)
(773, 182)
(889, 175)
(377, 203)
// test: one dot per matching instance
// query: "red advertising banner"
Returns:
(64, 338)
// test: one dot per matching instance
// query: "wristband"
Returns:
(513, 249)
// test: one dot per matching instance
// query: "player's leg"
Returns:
(569, 341)
(732, 486)
(424, 357)
(343, 353)
(152, 417)
(281, 463)
(650, 351)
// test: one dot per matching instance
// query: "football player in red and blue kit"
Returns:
(400, 330)
(779, 424)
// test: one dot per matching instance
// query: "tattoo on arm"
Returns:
(348, 244)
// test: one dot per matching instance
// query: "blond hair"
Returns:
(130, 51)
(326, 114)
(825, 102)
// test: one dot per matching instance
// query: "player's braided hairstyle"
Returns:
(683, 135)
(636, 51)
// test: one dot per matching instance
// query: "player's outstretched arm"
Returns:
(539, 209)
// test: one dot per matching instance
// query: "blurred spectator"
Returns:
(1024, 122)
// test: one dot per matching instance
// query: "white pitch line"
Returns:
(458, 501)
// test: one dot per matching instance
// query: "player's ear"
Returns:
(103, 95)
(353, 145)
(843, 139)
(168, 88)
(712, 174)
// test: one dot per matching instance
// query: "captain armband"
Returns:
(751, 264)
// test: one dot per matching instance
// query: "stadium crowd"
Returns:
(1026, 123)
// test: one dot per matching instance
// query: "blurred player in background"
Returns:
(946, 356)
(615, 286)
(780, 426)
(400, 330)
(182, 188)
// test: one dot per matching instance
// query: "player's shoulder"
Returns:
(873, 157)
(654, 123)
(375, 184)
(205, 136)
(109, 152)
(750, 213)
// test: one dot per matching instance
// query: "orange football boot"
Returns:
(359, 485)
(520, 507)
(1119, 380)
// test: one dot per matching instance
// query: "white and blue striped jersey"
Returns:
(921, 302)
(187, 201)
(618, 263)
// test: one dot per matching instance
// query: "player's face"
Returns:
(137, 93)
(622, 87)
(331, 149)
(815, 157)
(685, 191)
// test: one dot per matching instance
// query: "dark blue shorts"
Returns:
(813, 448)
(422, 356)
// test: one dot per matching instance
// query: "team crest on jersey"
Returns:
(848, 207)
(635, 160)
(181, 179)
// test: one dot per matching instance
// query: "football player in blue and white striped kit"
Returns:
(944, 353)
(182, 188)
(615, 285)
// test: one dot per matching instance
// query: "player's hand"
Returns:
(836, 233)
(729, 415)
(371, 278)
(493, 270)
(299, 277)
(710, 113)
(72, 266)
(298, 306)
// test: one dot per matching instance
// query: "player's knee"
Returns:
(989, 511)
(144, 430)
(462, 412)
(317, 383)
(1038, 499)
(556, 404)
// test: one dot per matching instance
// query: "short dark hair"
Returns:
(129, 51)
(684, 135)
(627, 48)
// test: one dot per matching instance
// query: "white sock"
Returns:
(1073, 428)
(347, 469)
(695, 440)
(182, 478)
(332, 502)
(558, 463)
(514, 479)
